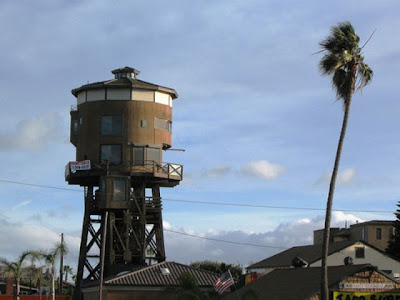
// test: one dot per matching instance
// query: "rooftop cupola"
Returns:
(125, 72)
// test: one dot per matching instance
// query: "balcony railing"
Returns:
(160, 170)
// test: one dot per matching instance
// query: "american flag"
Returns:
(223, 282)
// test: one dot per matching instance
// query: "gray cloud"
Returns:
(34, 133)
(217, 171)
(295, 233)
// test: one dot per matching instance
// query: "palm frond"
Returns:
(365, 74)
(340, 84)
(329, 64)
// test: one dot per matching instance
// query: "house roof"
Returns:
(310, 254)
(152, 276)
(374, 222)
(297, 283)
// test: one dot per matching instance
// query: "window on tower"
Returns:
(111, 125)
(75, 126)
(111, 153)
(163, 124)
(119, 193)
(142, 155)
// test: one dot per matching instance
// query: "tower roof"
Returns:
(125, 77)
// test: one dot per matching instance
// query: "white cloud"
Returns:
(22, 204)
(33, 134)
(166, 225)
(263, 169)
(16, 238)
(295, 233)
(344, 177)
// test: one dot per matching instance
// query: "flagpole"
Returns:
(229, 271)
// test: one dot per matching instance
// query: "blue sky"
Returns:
(258, 122)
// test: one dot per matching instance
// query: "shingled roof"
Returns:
(310, 254)
(125, 82)
(153, 276)
(297, 283)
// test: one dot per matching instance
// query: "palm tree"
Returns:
(67, 270)
(50, 259)
(16, 269)
(343, 60)
(36, 274)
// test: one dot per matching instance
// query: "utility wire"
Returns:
(276, 207)
(213, 203)
(224, 241)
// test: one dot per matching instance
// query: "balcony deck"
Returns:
(88, 172)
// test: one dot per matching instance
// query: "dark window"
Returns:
(112, 153)
(360, 252)
(119, 193)
(75, 126)
(137, 156)
(148, 155)
(379, 233)
(111, 125)
(163, 124)
(153, 154)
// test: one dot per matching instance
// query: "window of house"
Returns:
(111, 125)
(360, 252)
(163, 124)
(75, 126)
(111, 153)
(119, 192)
(379, 233)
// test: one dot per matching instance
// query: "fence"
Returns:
(34, 297)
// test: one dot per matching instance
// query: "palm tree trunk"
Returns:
(328, 216)
(17, 289)
(53, 274)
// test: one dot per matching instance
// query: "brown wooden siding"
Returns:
(90, 138)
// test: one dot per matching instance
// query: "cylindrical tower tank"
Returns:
(124, 121)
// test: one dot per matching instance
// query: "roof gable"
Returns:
(309, 253)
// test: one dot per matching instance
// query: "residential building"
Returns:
(150, 283)
(304, 284)
(376, 233)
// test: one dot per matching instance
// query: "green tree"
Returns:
(344, 61)
(189, 289)
(393, 247)
(219, 268)
(67, 270)
(16, 269)
(50, 258)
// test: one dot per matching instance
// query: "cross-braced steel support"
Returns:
(134, 235)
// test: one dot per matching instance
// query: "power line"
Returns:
(276, 207)
(214, 203)
(224, 241)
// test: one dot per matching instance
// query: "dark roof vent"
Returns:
(125, 72)
(348, 260)
(298, 262)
